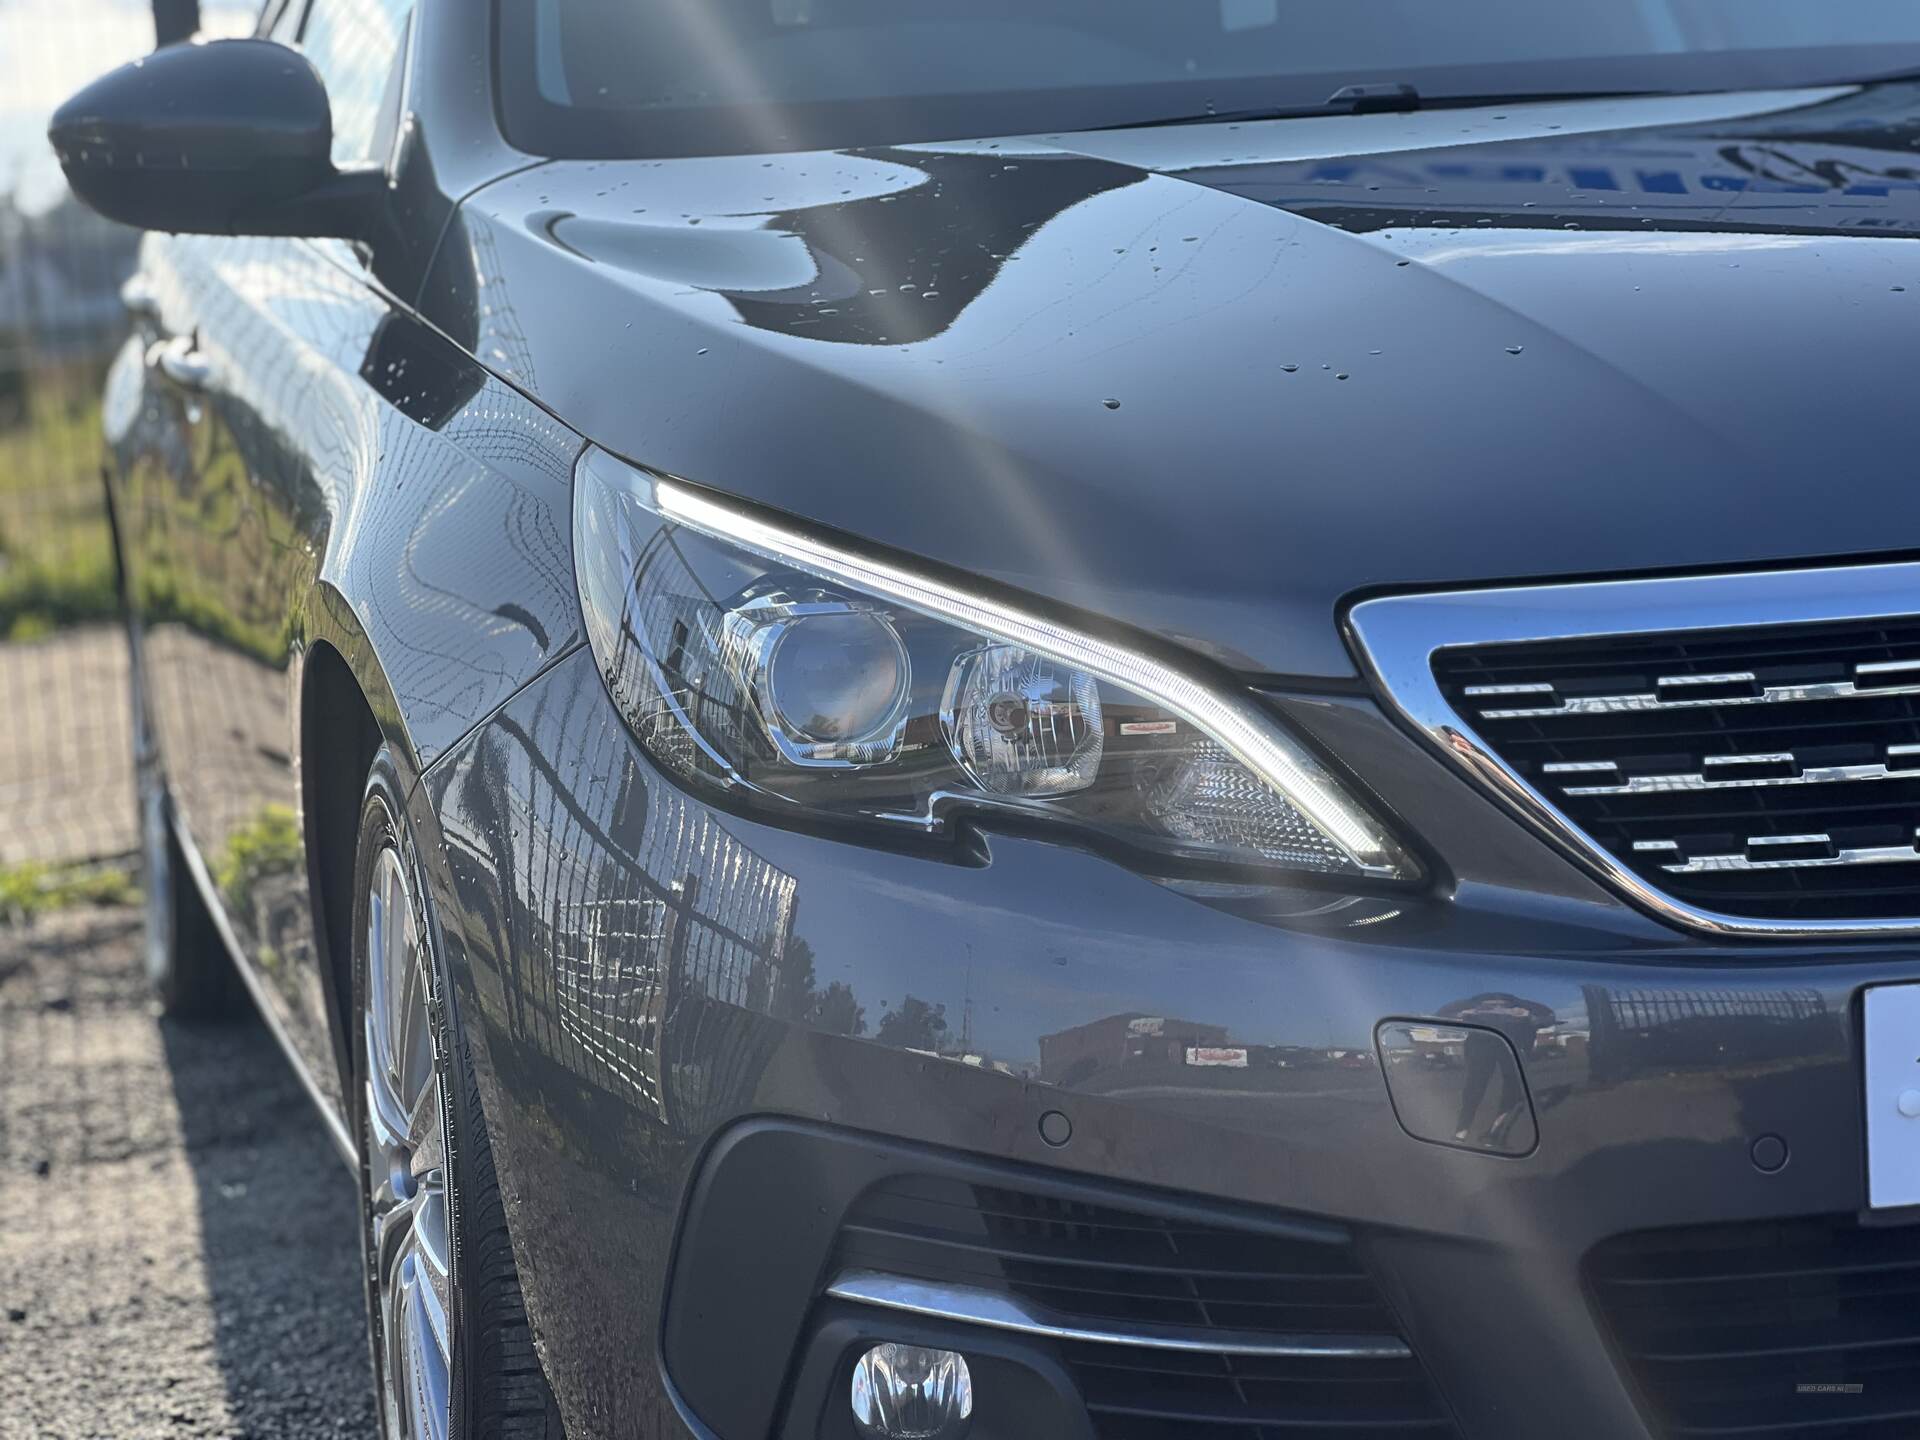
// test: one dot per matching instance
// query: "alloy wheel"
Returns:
(410, 1246)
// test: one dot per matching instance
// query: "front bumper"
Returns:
(638, 972)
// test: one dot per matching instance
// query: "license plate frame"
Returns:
(1890, 1016)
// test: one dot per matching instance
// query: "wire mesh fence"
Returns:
(65, 780)
(61, 269)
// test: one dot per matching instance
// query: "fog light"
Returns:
(907, 1392)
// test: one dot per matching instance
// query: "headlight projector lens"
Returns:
(802, 679)
(837, 678)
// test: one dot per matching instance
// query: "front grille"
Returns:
(1771, 774)
(1106, 1268)
(1800, 1330)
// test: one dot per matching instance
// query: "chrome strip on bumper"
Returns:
(995, 1311)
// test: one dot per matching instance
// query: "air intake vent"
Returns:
(1805, 1330)
(1120, 1272)
(1766, 773)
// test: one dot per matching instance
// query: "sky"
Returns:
(49, 49)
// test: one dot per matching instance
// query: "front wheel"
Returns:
(452, 1353)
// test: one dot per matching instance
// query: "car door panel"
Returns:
(330, 446)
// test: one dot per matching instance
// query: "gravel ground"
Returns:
(177, 1236)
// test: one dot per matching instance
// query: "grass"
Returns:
(32, 889)
(56, 553)
(56, 560)
(267, 845)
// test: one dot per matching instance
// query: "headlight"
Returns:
(808, 680)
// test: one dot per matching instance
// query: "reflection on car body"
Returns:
(1017, 749)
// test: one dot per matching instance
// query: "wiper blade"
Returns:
(1361, 99)
(1891, 77)
(1387, 97)
(1347, 100)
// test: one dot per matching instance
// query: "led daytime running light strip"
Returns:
(1247, 735)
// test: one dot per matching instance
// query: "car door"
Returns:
(255, 431)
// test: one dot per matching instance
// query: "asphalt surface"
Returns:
(177, 1236)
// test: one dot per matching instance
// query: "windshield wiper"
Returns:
(1377, 98)
(1891, 77)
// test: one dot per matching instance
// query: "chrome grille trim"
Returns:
(1877, 855)
(1813, 775)
(1396, 639)
(1889, 667)
(1769, 695)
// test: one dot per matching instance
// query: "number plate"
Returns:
(1893, 1095)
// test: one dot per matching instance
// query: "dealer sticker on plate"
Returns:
(1893, 1095)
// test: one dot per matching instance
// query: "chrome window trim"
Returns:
(1396, 637)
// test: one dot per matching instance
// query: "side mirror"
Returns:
(232, 137)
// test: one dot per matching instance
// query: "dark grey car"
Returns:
(1092, 722)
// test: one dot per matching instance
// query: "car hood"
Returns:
(1212, 381)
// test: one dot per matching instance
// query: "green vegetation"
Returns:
(56, 561)
(916, 1025)
(170, 596)
(267, 845)
(32, 889)
(56, 554)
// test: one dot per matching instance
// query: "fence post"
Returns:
(174, 21)
(681, 916)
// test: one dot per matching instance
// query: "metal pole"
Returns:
(175, 20)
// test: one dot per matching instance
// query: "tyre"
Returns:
(452, 1352)
(186, 959)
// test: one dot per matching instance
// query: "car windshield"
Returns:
(672, 77)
